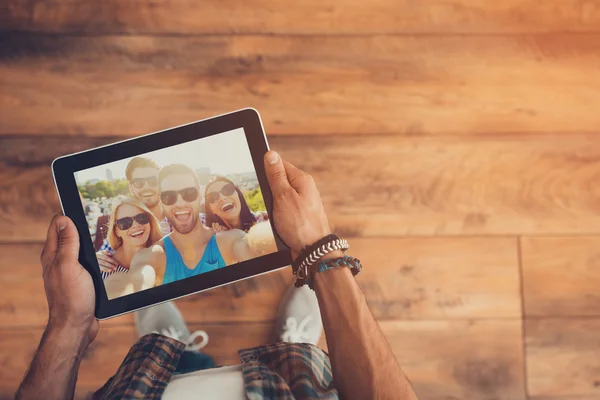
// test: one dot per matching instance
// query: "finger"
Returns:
(295, 177)
(108, 267)
(104, 268)
(276, 173)
(106, 261)
(68, 240)
(51, 246)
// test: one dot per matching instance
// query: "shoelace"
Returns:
(190, 342)
(294, 332)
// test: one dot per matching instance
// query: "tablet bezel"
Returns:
(63, 169)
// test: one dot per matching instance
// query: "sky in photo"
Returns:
(226, 153)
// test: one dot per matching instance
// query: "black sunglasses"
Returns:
(126, 222)
(169, 197)
(138, 183)
(226, 190)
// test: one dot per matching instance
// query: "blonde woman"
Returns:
(131, 227)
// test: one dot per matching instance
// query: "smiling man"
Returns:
(142, 175)
(192, 248)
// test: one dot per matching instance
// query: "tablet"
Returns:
(172, 213)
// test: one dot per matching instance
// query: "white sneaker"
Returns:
(165, 319)
(299, 317)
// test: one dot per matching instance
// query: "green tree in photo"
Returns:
(108, 189)
(122, 187)
(255, 200)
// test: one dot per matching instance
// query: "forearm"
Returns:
(138, 278)
(364, 366)
(53, 371)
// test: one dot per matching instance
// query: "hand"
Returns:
(69, 287)
(298, 211)
(219, 228)
(261, 216)
(106, 262)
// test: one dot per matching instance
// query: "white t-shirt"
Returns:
(213, 383)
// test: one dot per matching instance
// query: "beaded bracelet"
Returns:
(345, 261)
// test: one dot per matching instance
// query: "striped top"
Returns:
(120, 268)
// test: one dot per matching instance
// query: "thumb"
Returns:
(68, 239)
(51, 246)
(275, 170)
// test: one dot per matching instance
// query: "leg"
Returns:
(165, 319)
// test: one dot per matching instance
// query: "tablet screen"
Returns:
(175, 213)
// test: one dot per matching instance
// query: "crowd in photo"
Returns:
(165, 223)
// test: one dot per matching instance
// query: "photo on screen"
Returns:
(175, 213)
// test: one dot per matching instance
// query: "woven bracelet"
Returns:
(306, 252)
(319, 252)
(345, 261)
(310, 255)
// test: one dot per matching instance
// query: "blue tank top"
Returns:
(176, 268)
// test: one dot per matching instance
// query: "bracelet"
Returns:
(306, 251)
(311, 254)
(345, 261)
(319, 252)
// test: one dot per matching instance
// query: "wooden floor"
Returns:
(456, 143)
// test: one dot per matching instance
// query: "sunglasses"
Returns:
(125, 223)
(226, 190)
(138, 183)
(169, 197)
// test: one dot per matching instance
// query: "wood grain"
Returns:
(307, 17)
(592, 397)
(450, 278)
(416, 186)
(451, 118)
(561, 276)
(460, 360)
(410, 278)
(563, 357)
(405, 85)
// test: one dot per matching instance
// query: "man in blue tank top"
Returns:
(192, 248)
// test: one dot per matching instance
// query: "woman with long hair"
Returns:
(131, 227)
(226, 207)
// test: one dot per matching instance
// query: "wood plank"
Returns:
(416, 186)
(311, 16)
(593, 397)
(408, 85)
(563, 358)
(450, 278)
(561, 276)
(445, 278)
(460, 359)
(27, 191)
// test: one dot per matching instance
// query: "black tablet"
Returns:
(172, 213)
